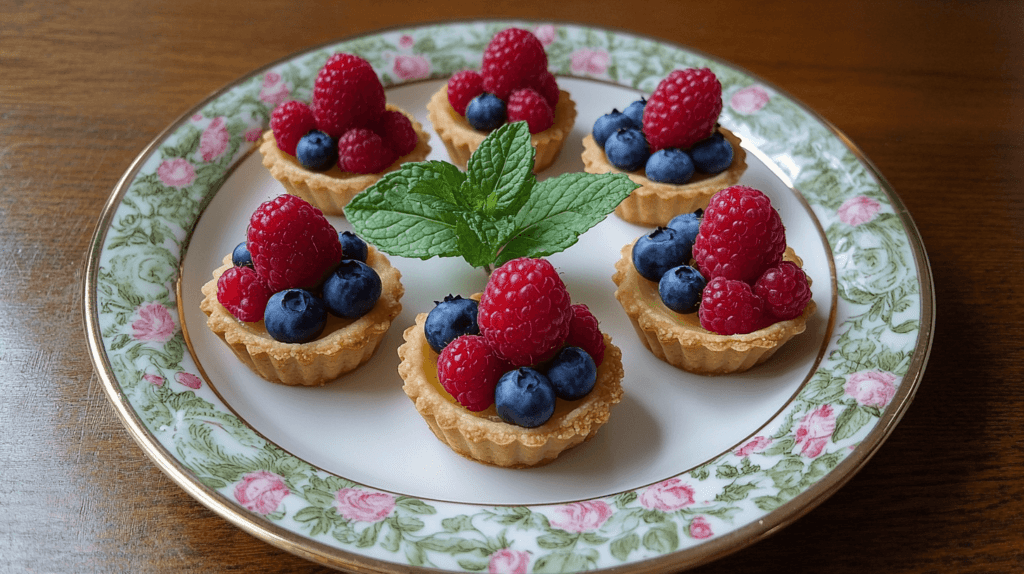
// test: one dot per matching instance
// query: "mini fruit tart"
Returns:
(757, 297)
(677, 153)
(299, 303)
(344, 141)
(497, 397)
(514, 84)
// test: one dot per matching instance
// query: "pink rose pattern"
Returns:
(872, 388)
(214, 140)
(411, 67)
(274, 91)
(154, 324)
(362, 506)
(815, 430)
(177, 172)
(406, 42)
(189, 380)
(157, 380)
(700, 528)
(749, 100)
(858, 210)
(261, 491)
(756, 444)
(590, 61)
(581, 516)
(508, 561)
(253, 134)
(669, 495)
(546, 34)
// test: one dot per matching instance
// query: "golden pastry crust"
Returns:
(461, 140)
(483, 436)
(679, 340)
(344, 345)
(654, 204)
(331, 190)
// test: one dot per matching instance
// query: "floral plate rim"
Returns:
(658, 528)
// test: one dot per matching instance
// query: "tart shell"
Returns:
(461, 139)
(654, 204)
(484, 437)
(343, 346)
(680, 341)
(331, 190)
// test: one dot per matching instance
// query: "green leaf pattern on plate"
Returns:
(878, 329)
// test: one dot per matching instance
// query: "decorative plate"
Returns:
(688, 469)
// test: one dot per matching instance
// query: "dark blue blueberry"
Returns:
(450, 319)
(295, 316)
(659, 251)
(680, 289)
(687, 225)
(352, 246)
(712, 155)
(352, 289)
(524, 397)
(316, 151)
(608, 124)
(627, 149)
(241, 257)
(485, 112)
(572, 373)
(635, 112)
(670, 165)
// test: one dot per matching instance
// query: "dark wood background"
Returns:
(930, 91)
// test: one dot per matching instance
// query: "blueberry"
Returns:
(680, 289)
(352, 246)
(572, 373)
(627, 149)
(635, 112)
(316, 151)
(485, 112)
(241, 257)
(687, 225)
(295, 316)
(524, 397)
(608, 124)
(659, 251)
(352, 289)
(670, 166)
(712, 155)
(450, 319)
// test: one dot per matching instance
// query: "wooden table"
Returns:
(931, 92)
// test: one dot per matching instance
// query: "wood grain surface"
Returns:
(930, 91)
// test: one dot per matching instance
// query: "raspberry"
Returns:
(546, 86)
(512, 58)
(462, 87)
(396, 130)
(241, 291)
(346, 94)
(289, 122)
(525, 311)
(361, 150)
(730, 307)
(525, 104)
(785, 290)
(469, 369)
(740, 236)
(585, 333)
(683, 109)
(292, 244)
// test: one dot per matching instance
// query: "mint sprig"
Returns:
(495, 212)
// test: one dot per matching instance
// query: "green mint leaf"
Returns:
(408, 213)
(560, 209)
(500, 171)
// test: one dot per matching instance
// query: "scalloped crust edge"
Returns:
(331, 190)
(653, 203)
(499, 443)
(317, 362)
